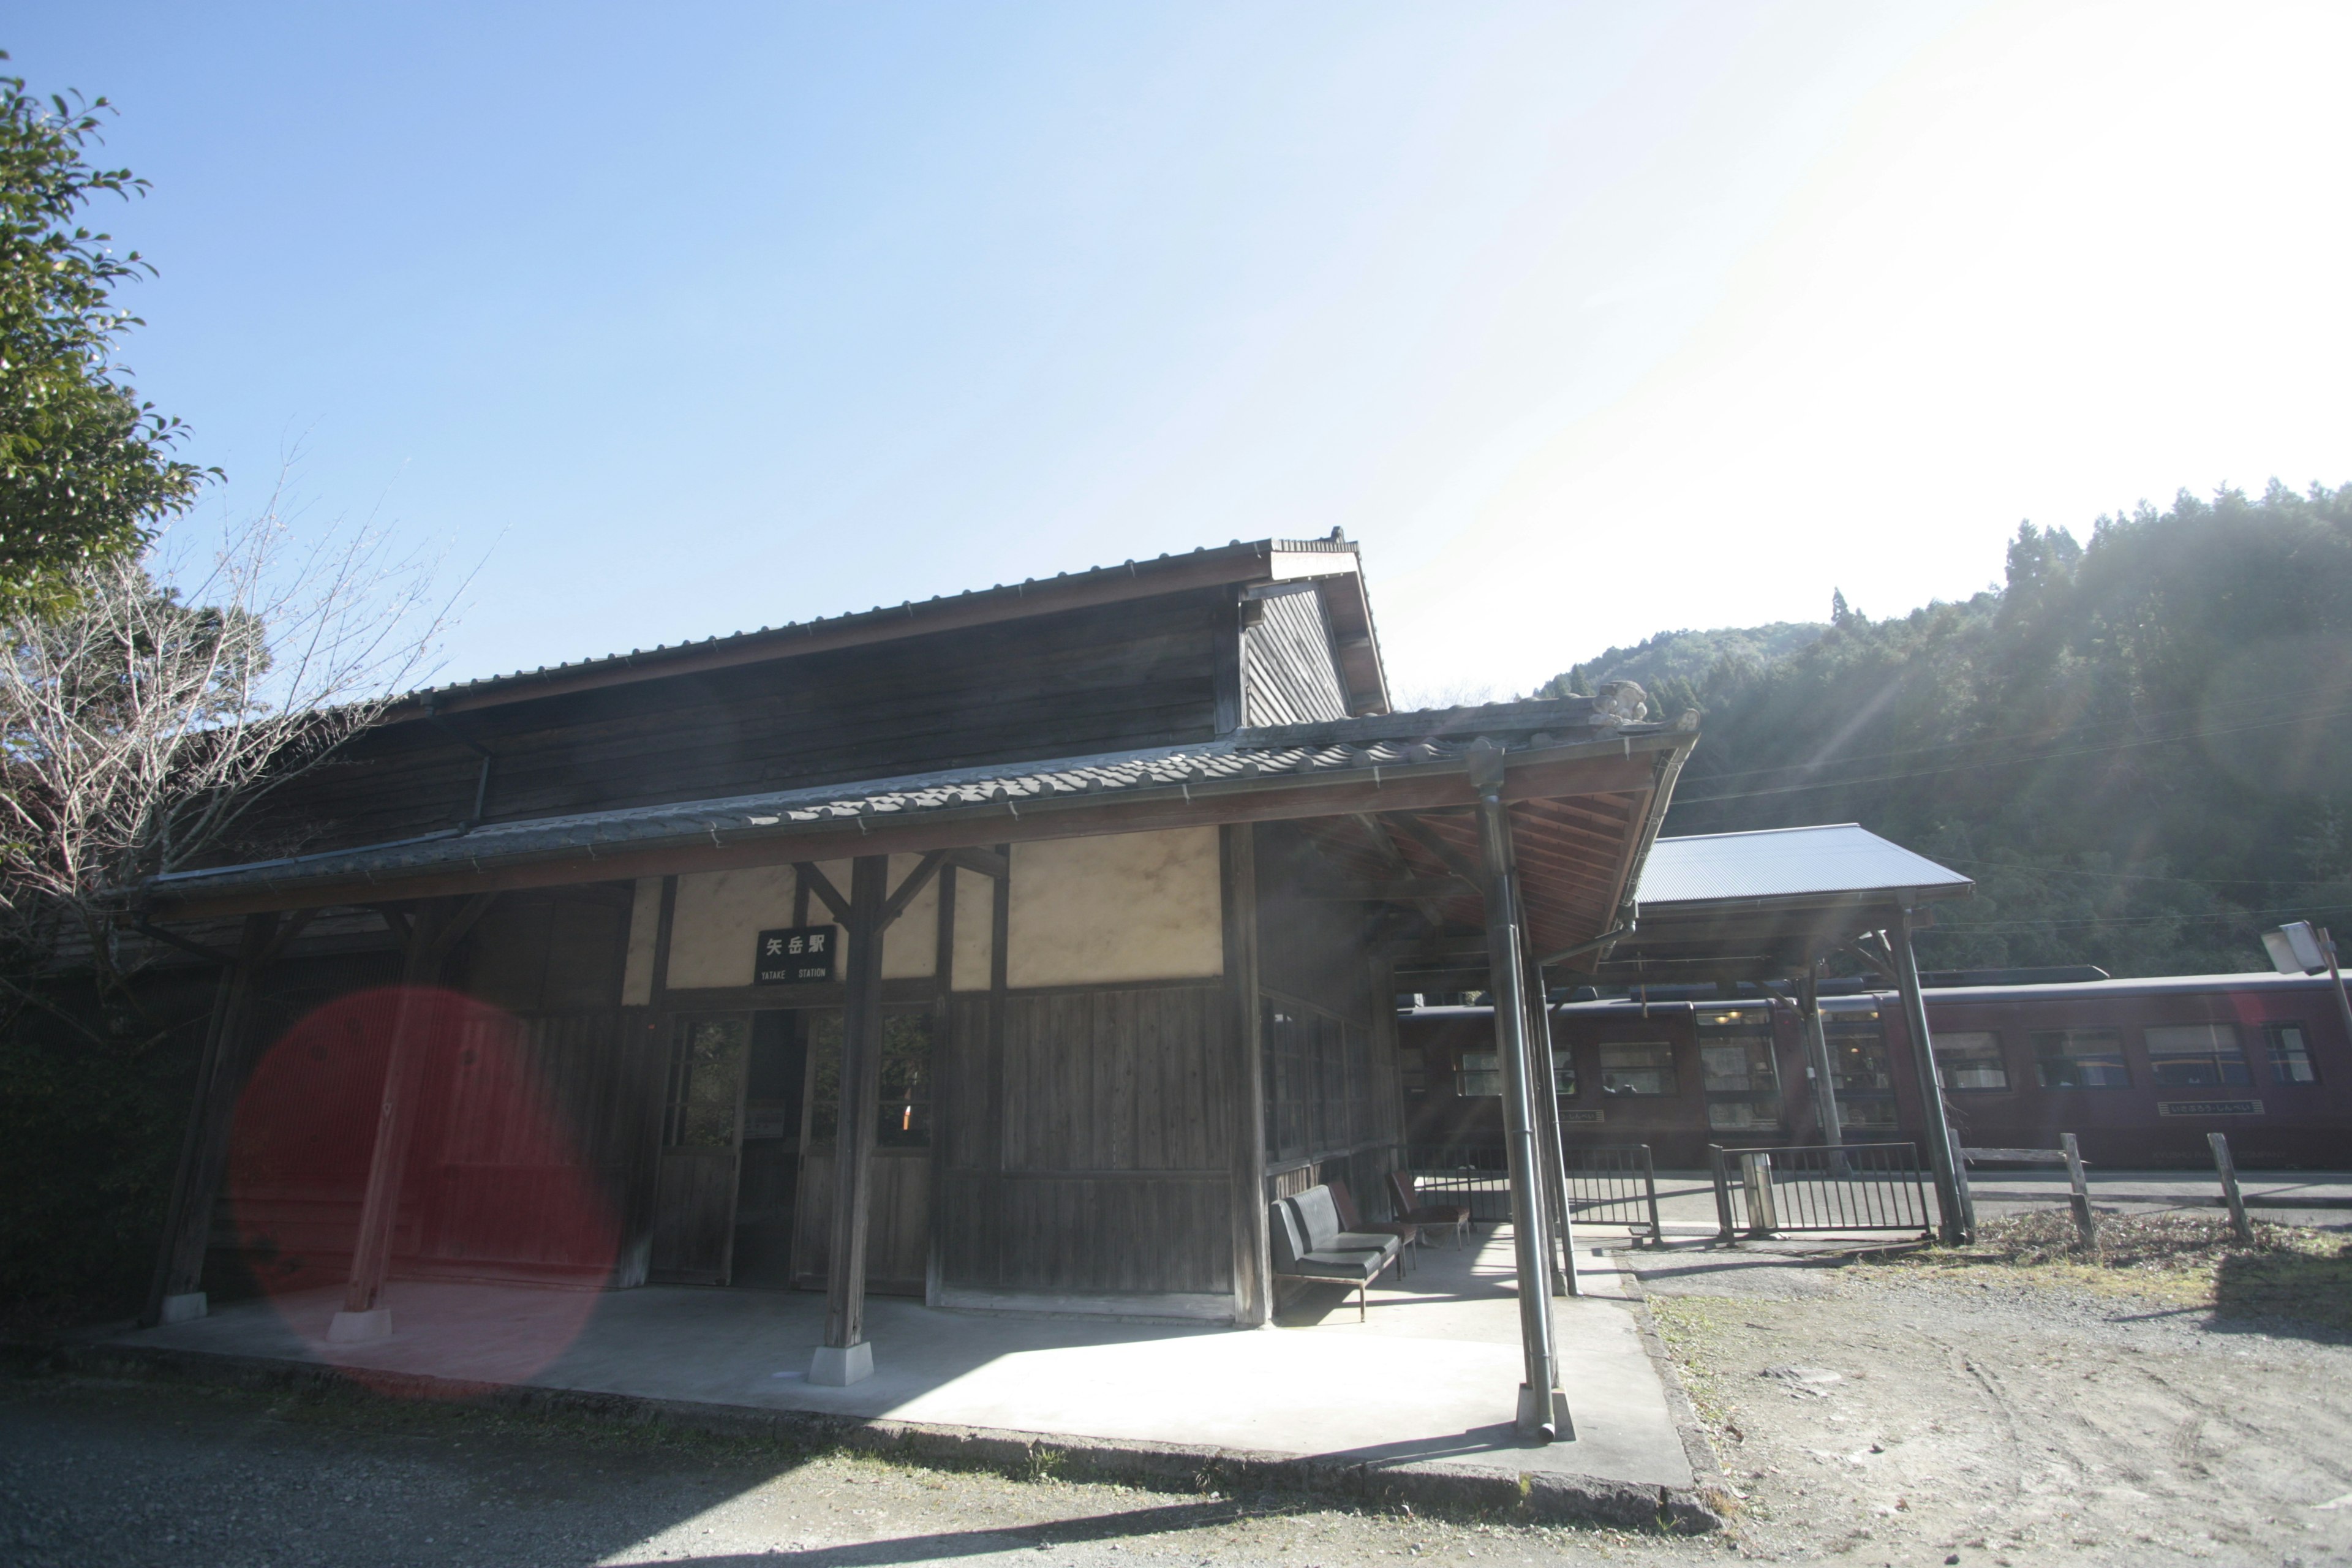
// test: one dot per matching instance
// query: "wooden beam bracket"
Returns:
(817, 883)
(914, 884)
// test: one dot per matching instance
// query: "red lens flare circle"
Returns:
(506, 1225)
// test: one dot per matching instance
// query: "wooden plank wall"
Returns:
(527, 1134)
(1290, 675)
(1332, 1109)
(1085, 1148)
(1102, 678)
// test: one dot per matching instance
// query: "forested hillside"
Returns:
(2140, 747)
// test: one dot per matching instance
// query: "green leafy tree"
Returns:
(85, 469)
(2140, 746)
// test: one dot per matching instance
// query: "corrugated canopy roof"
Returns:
(1788, 862)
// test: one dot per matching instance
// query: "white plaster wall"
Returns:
(644, 928)
(1135, 906)
(721, 914)
(910, 948)
(975, 931)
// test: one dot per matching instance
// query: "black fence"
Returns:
(1851, 1188)
(1608, 1184)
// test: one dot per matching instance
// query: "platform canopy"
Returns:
(1764, 906)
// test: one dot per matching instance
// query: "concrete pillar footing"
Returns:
(359, 1327)
(1531, 1417)
(185, 1308)
(838, 1366)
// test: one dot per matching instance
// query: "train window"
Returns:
(2080, 1059)
(1972, 1060)
(2197, 1056)
(2290, 1053)
(1481, 1072)
(1637, 1066)
(1735, 1067)
(1860, 1071)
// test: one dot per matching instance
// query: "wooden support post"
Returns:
(2240, 1225)
(647, 1066)
(846, 1357)
(176, 1292)
(951, 1070)
(1543, 1410)
(2086, 1224)
(433, 930)
(1958, 1226)
(1253, 1259)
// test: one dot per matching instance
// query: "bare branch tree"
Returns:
(145, 719)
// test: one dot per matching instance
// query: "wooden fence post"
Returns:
(2239, 1223)
(2085, 1222)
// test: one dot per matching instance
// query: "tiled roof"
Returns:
(1403, 742)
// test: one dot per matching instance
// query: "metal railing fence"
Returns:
(1608, 1184)
(1845, 1187)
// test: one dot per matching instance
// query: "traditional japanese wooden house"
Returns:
(1012, 949)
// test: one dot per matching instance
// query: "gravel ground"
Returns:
(1869, 1414)
(1864, 1414)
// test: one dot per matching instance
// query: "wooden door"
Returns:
(899, 1222)
(702, 1139)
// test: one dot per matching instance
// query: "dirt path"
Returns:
(1871, 1415)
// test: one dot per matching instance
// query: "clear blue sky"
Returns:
(1586, 319)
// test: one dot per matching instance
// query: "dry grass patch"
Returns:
(2191, 1260)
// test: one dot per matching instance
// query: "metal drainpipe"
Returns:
(1543, 1410)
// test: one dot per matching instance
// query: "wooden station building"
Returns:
(1012, 949)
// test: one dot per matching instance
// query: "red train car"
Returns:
(2141, 1070)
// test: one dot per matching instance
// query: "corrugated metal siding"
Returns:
(1289, 674)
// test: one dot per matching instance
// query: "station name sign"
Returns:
(797, 956)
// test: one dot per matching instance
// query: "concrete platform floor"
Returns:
(1431, 1378)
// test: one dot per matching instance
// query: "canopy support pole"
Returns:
(1543, 1412)
(1959, 1222)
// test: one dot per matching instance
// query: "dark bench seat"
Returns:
(1309, 1245)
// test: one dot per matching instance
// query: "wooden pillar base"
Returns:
(837, 1366)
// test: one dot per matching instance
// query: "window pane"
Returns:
(707, 1081)
(1481, 1073)
(1736, 1069)
(1641, 1066)
(2080, 1059)
(2290, 1054)
(1971, 1061)
(905, 1101)
(2196, 1055)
